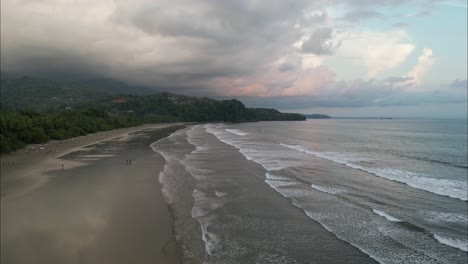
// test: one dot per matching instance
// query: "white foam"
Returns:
(280, 187)
(202, 209)
(328, 218)
(328, 190)
(386, 216)
(192, 139)
(274, 259)
(452, 242)
(204, 204)
(171, 159)
(197, 173)
(220, 194)
(273, 177)
(269, 156)
(451, 188)
(354, 225)
(237, 132)
(437, 217)
(211, 240)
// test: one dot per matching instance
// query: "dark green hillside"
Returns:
(266, 114)
(317, 116)
(36, 110)
(42, 95)
(167, 107)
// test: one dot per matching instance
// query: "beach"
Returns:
(104, 206)
(319, 191)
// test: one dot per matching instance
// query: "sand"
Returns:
(98, 209)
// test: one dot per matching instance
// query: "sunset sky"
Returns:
(396, 58)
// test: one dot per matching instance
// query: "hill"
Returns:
(43, 95)
(316, 116)
(37, 110)
(168, 107)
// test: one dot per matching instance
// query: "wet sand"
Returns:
(98, 209)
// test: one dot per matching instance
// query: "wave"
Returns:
(452, 242)
(328, 190)
(176, 160)
(269, 158)
(206, 202)
(358, 226)
(386, 216)
(451, 188)
(204, 205)
(455, 165)
(270, 176)
(438, 217)
(355, 225)
(168, 187)
(237, 132)
(220, 194)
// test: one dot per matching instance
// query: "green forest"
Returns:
(35, 114)
(20, 128)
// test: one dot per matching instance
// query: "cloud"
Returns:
(398, 79)
(400, 25)
(265, 49)
(286, 67)
(376, 51)
(168, 43)
(359, 15)
(274, 82)
(454, 3)
(320, 42)
(359, 93)
(425, 62)
(290, 63)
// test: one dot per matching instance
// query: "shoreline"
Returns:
(98, 208)
(28, 161)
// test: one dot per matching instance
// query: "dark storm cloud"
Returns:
(190, 47)
(52, 63)
(173, 43)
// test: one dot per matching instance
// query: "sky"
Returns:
(398, 58)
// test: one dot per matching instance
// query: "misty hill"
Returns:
(43, 95)
(317, 116)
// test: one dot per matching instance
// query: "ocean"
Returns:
(319, 191)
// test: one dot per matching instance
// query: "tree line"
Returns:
(33, 111)
(20, 128)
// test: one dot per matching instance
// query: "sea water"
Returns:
(319, 191)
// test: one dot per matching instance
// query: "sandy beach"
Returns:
(98, 209)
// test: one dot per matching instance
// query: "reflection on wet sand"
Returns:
(100, 212)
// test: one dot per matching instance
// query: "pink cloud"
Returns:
(274, 83)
